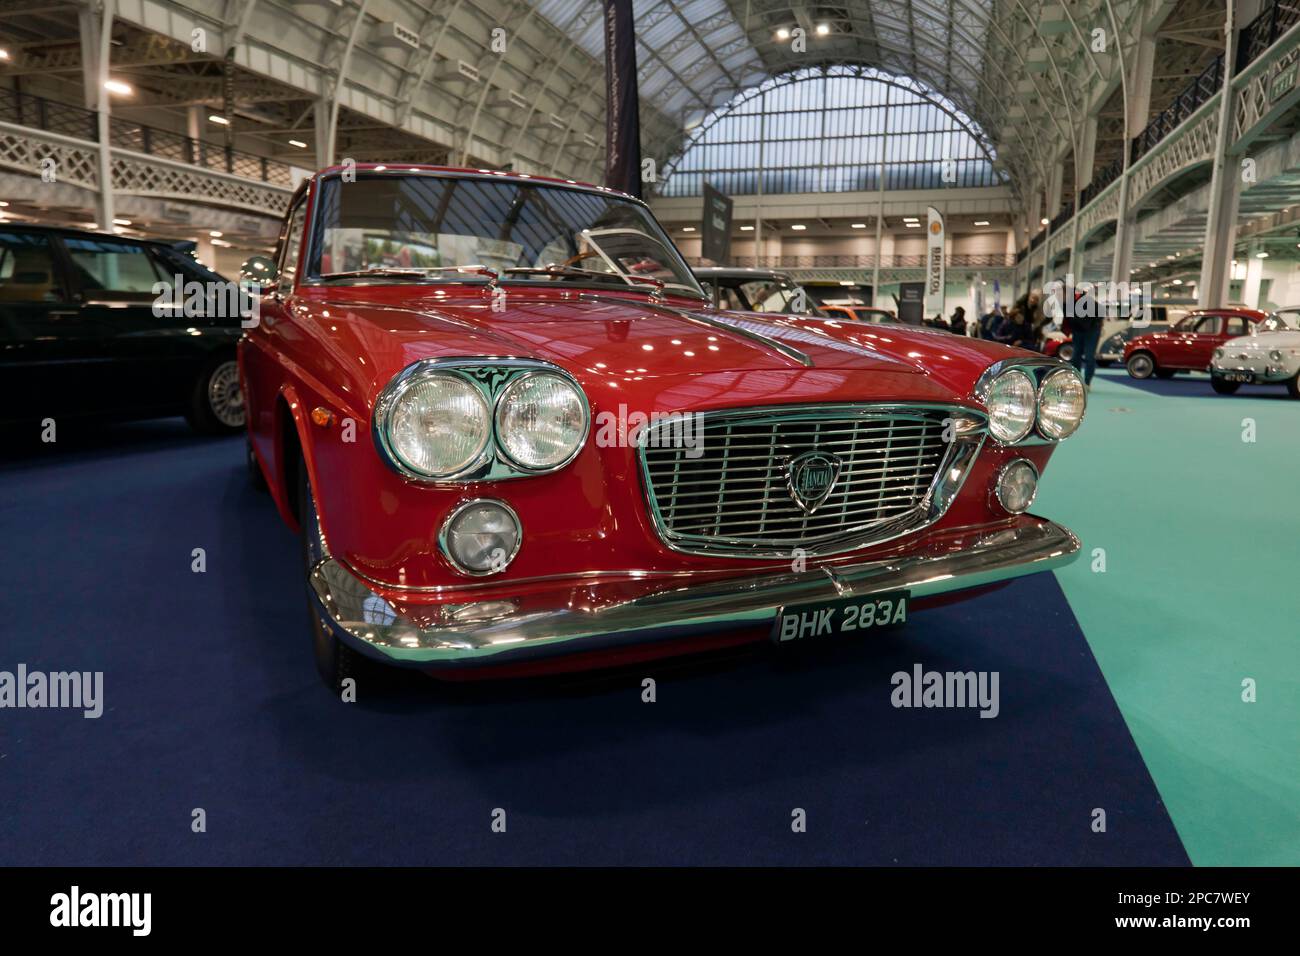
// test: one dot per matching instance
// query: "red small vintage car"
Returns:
(514, 435)
(1189, 346)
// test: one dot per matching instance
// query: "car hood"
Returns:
(1263, 342)
(612, 342)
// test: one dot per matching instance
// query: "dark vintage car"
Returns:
(81, 335)
(755, 290)
(513, 433)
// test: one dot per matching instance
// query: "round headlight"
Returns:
(438, 425)
(1017, 484)
(541, 421)
(1061, 401)
(481, 537)
(1275, 355)
(1012, 404)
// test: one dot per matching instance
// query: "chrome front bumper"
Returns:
(576, 618)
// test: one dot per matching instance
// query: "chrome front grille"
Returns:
(735, 496)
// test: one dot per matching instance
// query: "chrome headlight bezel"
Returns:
(1010, 375)
(498, 427)
(998, 490)
(1037, 368)
(1043, 430)
(389, 403)
(491, 376)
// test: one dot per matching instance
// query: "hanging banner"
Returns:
(622, 110)
(911, 297)
(716, 227)
(934, 264)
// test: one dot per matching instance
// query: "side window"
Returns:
(27, 269)
(292, 249)
(728, 299)
(1210, 325)
(1236, 325)
(110, 266)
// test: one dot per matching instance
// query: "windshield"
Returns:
(415, 222)
(777, 295)
(1284, 320)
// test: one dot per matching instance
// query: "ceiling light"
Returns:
(912, 225)
(4, 54)
(216, 233)
(859, 225)
(297, 142)
(219, 120)
(3, 204)
(1178, 282)
(823, 29)
(746, 228)
(118, 87)
(688, 228)
(1261, 255)
(121, 222)
(981, 222)
(783, 34)
(1044, 221)
(798, 227)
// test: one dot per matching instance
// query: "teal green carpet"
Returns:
(1201, 591)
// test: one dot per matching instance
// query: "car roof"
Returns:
(11, 226)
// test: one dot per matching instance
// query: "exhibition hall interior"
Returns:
(617, 433)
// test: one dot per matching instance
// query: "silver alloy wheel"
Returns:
(224, 395)
(1141, 366)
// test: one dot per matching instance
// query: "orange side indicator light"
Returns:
(322, 416)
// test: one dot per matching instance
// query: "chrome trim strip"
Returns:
(368, 622)
(969, 429)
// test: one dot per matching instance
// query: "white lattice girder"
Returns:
(27, 151)
(1189, 145)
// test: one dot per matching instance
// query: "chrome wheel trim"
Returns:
(224, 396)
(1142, 366)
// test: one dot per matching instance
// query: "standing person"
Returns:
(1016, 330)
(958, 324)
(1085, 331)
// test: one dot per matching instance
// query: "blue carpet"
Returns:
(1193, 385)
(212, 702)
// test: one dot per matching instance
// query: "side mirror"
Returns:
(258, 271)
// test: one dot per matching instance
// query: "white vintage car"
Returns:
(1270, 355)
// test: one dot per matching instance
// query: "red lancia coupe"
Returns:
(514, 435)
(1188, 346)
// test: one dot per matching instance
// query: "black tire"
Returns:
(335, 661)
(1165, 373)
(1066, 352)
(255, 476)
(1223, 386)
(1293, 385)
(216, 403)
(1141, 365)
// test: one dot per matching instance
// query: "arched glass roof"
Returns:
(829, 130)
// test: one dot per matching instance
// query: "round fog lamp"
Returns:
(1017, 485)
(481, 537)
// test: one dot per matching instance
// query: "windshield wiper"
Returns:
(422, 272)
(561, 271)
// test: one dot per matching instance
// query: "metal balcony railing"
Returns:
(1265, 30)
(1208, 82)
(25, 109)
(995, 260)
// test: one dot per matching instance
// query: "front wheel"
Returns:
(1223, 386)
(1141, 365)
(1293, 385)
(216, 401)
